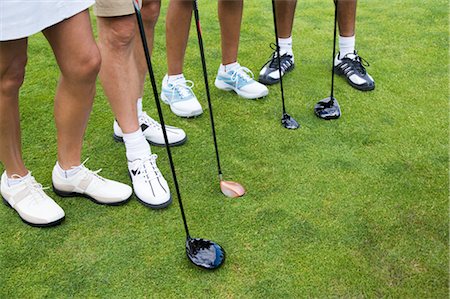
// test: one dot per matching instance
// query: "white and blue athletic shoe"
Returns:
(180, 97)
(240, 79)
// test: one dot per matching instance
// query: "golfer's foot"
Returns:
(30, 201)
(179, 95)
(240, 79)
(153, 132)
(270, 74)
(89, 184)
(351, 66)
(149, 185)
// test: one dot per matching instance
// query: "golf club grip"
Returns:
(160, 114)
(278, 53)
(205, 76)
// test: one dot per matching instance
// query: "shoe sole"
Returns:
(223, 86)
(75, 194)
(155, 207)
(193, 114)
(50, 224)
(339, 72)
(270, 81)
(178, 143)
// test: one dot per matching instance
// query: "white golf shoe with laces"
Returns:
(149, 185)
(153, 132)
(89, 184)
(30, 201)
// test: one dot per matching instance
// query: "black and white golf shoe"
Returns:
(352, 66)
(270, 74)
(149, 185)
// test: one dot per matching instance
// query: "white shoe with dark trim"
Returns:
(149, 185)
(89, 184)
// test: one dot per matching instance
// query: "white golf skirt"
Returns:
(19, 19)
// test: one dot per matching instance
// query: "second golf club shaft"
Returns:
(205, 75)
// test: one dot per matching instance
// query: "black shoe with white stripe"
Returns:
(149, 185)
(352, 66)
(270, 74)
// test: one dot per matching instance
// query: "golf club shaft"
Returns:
(205, 76)
(334, 48)
(278, 54)
(160, 114)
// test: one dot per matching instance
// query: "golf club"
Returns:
(229, 188)
(286, 120)
(328, 108)
(201, 252)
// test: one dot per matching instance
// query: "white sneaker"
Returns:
(89, 184)
(180, 97)
(30, 201)
(149, 185)
(240, 79)
(153, 132)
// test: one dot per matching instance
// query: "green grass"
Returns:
(356, 207)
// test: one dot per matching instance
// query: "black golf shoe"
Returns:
(352, 67)
(269, 73)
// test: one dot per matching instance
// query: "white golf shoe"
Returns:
(89, 184)
(153, 132)
(149, 185)
(180, 97)
(30, 201)
(240, 80)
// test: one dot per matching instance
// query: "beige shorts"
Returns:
(114, 8)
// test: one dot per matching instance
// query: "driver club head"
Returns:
(327, 109)
(205, 253)
(232, 189)
(289, 122)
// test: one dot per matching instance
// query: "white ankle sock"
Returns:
(139, 106)
(69, 172)
(136, 145)
(173, 78)
(346, 45)
(286, 45)
(228, 67)
(14, 181)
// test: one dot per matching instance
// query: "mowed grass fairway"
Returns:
(356, 207)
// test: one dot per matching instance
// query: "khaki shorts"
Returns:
(114, 8)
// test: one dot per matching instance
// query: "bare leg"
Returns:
(178, 23)
(230, 17)
(150, 13)
(118, 74)
(347, 17)
(285, 17)
(13, 59)
(79, 61)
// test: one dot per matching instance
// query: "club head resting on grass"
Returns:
(204, 253)
(289, 122)
(232, 189)
(327, 109)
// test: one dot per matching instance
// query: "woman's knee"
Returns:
(84, 66)
(150, 12)
(12, 73)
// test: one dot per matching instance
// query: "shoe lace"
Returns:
(242, 73)
(146, 119)
(273, 59)
(87, 171)
(149, 164)
(35, 187)
(183, 88)
(358, 62)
